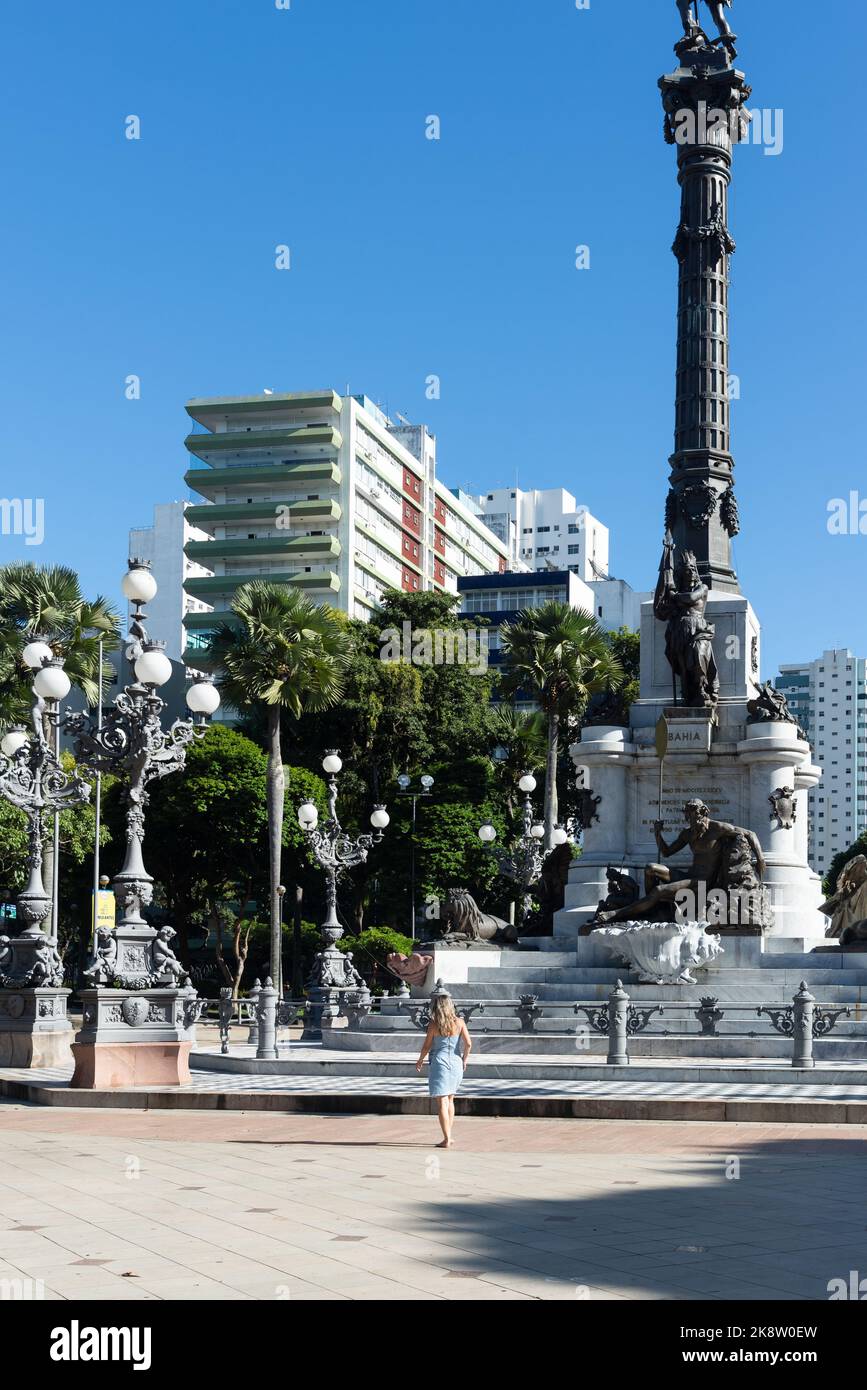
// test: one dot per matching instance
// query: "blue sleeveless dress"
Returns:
(446, 1070)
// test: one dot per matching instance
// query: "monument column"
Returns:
(704, 116)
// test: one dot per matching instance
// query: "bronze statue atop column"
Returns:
(680, 602)
(693, 30)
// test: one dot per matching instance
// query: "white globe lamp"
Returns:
(153, 667)
(52, 683)
(36, 654)
(12, 742)
(203, 698)
(138, 584)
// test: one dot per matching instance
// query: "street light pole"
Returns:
(404, 781)
(33, 780)
(97, 813)
(335, 851)
(523, 863)
(132, 742)
(55, 863)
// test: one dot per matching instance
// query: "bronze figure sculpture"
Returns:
(725, 858)
(680, 601)
(691, 26)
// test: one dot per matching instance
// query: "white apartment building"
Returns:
(828, 697)
(547, 530)
(163, 545)
(326, 493)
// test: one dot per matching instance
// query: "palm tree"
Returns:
(286, 653)
(520, 742)
(559, 657)
(46, 600)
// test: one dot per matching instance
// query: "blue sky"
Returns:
(411, 257)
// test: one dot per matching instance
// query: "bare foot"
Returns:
(445, 1144)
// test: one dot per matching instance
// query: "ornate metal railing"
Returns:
(803, 1020)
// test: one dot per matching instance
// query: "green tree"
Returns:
(519, 743)
(401, 712)
(286, 654)
(218, 812)
(47, 601)
(559, 657)
(612, 706)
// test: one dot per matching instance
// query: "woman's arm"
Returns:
(425, 1048)
(468, 1042)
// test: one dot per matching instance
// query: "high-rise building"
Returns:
(327, 494)
(547, 530)
(828, 697)
(164, 545)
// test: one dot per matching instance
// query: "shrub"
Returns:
(370, 950)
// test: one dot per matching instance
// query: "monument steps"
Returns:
(786, 975)
(558, 1043)
(298, 1060)
(770, 991)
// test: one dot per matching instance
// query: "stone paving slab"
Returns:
(101, 1205)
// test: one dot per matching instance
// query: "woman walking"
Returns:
(449, 1044)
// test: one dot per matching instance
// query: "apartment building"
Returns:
(328, 494)
(828, 697)
(547, 530)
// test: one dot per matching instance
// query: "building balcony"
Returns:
(206, 480)
(323, 437)
(227, 513)
(210, 410)
(206, 588)
(205, 552)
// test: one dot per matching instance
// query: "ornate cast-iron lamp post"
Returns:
(130, 741)
(33, 1028)
(335, 851)
(139, 1010)
(523, 862)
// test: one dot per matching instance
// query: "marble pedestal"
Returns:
(34, 1029)
(733, 767)
(731, 764)
(135, 1038)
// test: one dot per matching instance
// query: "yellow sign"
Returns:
(105, 908)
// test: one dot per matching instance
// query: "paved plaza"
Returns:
(103, 1205)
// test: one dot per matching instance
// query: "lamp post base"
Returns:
(119, 1066)
(34, 1029)
(135, 1038)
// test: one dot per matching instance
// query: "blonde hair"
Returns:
(443, 1017)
